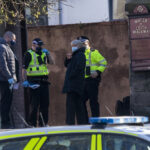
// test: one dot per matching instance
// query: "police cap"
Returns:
(82, 38)
(38, 41)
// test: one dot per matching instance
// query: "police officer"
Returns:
(95, 66)
(35, 64)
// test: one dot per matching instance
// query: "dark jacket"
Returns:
(7, 62)
(27, 60)
(74, 79)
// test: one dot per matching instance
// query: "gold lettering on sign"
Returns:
(141, 26)
(141, 20)
(140, 31)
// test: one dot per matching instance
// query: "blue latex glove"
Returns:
(25, 84)
(45, 51)
(11, 81)
(34, 86)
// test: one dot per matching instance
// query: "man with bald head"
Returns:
(7, 76)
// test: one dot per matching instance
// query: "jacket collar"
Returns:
(82, 49)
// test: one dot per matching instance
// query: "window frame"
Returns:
(121, 135)
(93, 145)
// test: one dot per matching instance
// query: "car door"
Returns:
(59, 141)
(121, 142)
(70, 141)
(21, 140)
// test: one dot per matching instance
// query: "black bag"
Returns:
(122, 108)
(119, 108)
(126, 105)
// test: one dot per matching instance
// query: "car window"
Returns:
(123, 142)
(49, 142)
(68, 142)
(15, 144)
(23, 143)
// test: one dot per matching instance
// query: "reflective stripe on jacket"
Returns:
(34, 68)
(95, 61)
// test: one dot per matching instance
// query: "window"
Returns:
(123, 142)
(23, 143)
(49, 142)
(15, 144)
(68, 142)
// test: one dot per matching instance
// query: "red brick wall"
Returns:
(110, 38)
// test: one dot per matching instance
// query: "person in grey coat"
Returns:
(7, 76)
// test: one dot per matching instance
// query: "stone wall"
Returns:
(110, 38)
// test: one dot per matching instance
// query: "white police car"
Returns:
(109, 133)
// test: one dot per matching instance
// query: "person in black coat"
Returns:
(74, 82)
(7, 77)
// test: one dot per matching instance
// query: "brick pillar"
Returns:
(139, 37)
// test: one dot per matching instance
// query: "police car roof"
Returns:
(141, 131)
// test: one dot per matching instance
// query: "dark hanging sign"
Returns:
(140, 49)
(140, 42)
(140, 27)
(140, 9)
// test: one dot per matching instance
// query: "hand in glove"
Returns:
(45, 51)
(34, 86)
(11, 81)
(25, 84)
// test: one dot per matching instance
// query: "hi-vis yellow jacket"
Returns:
(34, 68)
(95, 61)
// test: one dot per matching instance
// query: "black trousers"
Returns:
(5, 101)
(91, 94)
(39, 105)
(74, 109)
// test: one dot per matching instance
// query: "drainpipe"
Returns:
(110, 5)
(60, 11)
